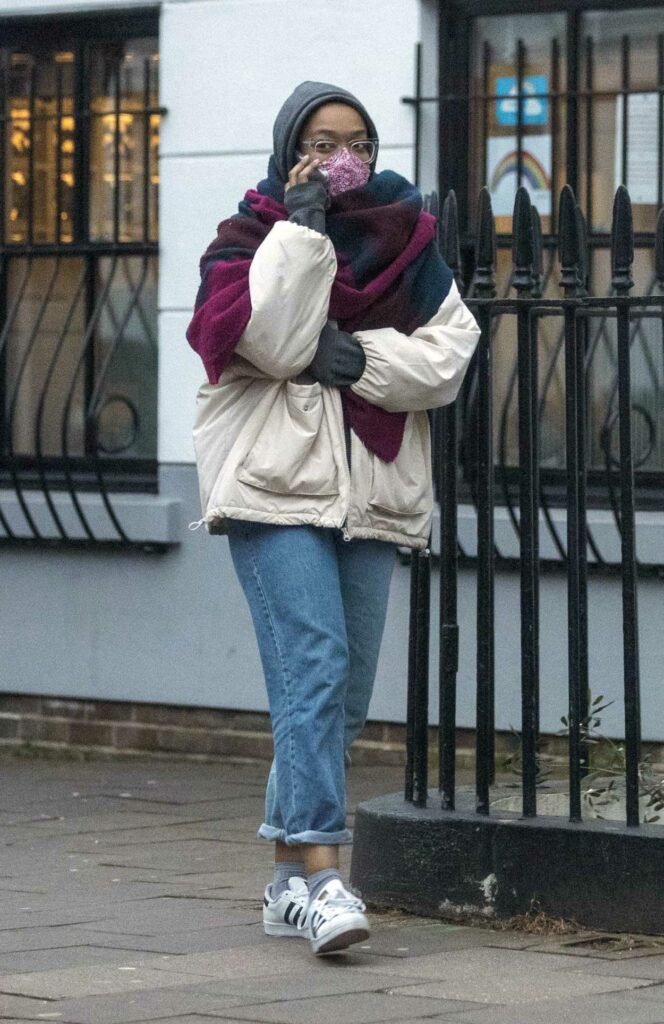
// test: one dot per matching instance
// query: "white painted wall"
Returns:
(226, 67)
(429, 18)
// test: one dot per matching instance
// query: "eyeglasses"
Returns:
(364, 149)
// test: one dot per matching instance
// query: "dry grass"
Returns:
(537, 922)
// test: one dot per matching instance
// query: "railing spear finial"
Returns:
(449, 236)
(485, 248)
(622, 242)
(522, 244)
(569, 243)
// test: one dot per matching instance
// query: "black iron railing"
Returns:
(525, 311)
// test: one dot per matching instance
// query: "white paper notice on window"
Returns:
(640, 175)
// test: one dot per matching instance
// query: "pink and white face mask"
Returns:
(345, 171)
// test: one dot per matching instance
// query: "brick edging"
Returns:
(32, 721)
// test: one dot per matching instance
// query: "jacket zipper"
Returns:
(347, 445)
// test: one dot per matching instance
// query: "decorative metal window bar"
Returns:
(78, 268)
(573, 95)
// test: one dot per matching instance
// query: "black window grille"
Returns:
(79, 136)
(548, 94)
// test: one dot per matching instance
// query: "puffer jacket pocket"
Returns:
(402, 488)
(292, 451)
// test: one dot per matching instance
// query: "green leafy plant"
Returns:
(606, 762)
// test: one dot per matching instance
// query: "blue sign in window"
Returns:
(535, 106)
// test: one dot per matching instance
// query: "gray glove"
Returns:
(339, 359)
(306, 205)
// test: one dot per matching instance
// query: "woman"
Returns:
(328, 324)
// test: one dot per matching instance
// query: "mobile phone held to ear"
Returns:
(319, 174)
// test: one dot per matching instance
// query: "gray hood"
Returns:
(298, 107)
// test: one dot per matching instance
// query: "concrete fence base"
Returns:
(458, 864)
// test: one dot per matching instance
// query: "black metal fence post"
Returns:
(448, 625)
(416, 776)
(528, 503)
(485, 289)
(622, 255)
(581, 433)
(409, 774)
(574, 384)
(421, 702)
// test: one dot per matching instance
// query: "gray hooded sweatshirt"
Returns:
(294, 113)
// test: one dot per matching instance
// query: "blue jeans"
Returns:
(318, 605)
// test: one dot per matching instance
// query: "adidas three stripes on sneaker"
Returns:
(335, 919)
(332, 921)
(286, 913)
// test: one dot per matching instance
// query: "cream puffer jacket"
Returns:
(271, 449)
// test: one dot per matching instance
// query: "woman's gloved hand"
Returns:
(339, 359)
(306, 204)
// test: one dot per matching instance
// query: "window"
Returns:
(590, 113)
(79, 136)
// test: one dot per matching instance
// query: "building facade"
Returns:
(129, 130)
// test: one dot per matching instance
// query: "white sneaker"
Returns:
(335, 919)
(287, 914)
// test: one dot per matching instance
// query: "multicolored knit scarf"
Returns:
(390, 274)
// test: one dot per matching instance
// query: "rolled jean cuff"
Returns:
(270, 832)
(341, 838)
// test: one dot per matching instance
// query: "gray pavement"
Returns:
(131, 891)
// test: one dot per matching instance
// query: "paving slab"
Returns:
(201, 941)
(328, 976)
(646, 967)
(34, 918)
(403, 940)
(197, 1019)
(95, 980)
(23, 1008)
(88, 899)
(239, 961)
(485, 958)
(206, 1019)
(181, 916)
(595, 1009)
(352, 1008)
(31, 829)
(67, 956)
(654, 991)
(169, 832)
(158, 1004)
(15, 940)
(517, 986)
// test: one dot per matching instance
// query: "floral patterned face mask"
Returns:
(345, 171)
